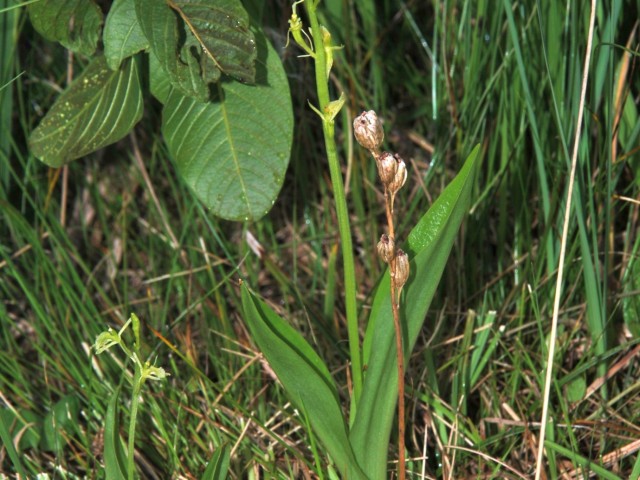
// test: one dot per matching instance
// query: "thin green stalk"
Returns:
(344, 228)
(137, 386)
(143, 371)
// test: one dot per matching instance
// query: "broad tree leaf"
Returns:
(74, 23)
(233, 152)
(197, 41)
(99, 108)
(122, 36)
(221, 28)
(159, 82)
(305, 378)
(160, 25)
(428, 246)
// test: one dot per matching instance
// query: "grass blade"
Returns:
(585, 463)
(7, 442)
(218, 465)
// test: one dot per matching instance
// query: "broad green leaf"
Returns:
(195, 42)
(233, 152)
(99, 108)
(122, 34)
(304, 377)
(114, 456)
(161, 26)
(159, 82)
(221, 31)
(74, 23)
(576, 389)
(218, 465)
(59, 422)
(428, 246)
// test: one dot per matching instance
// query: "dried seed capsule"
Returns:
(400, 175)
(367, 129)
(401, 273)
(387, 168)
(386, 247)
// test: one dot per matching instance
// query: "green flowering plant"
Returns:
(358, 444)
(144, 371)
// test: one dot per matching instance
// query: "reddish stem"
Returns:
(395, 308)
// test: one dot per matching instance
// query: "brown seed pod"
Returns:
(400, 175)
(387, 168)
(367, 129)
(386, 248)
(401, 273)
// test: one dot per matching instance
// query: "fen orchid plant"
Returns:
(392, 172)
(356, 437)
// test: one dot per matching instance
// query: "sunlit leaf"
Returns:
(99, 108)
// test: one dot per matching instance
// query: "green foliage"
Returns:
(27, 424)
(234, 152)
(123, 36)
(631, 301)
(191, 52)
(143, 371)
(99, 108)
(75, 24)
(226, 136)
(82, 246)
(59, 422)
(218, 465)
(114, 456)
(306, 378)
(7, 436)
(428, 246)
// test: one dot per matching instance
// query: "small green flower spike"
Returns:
(106, 340)
(295, 29)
